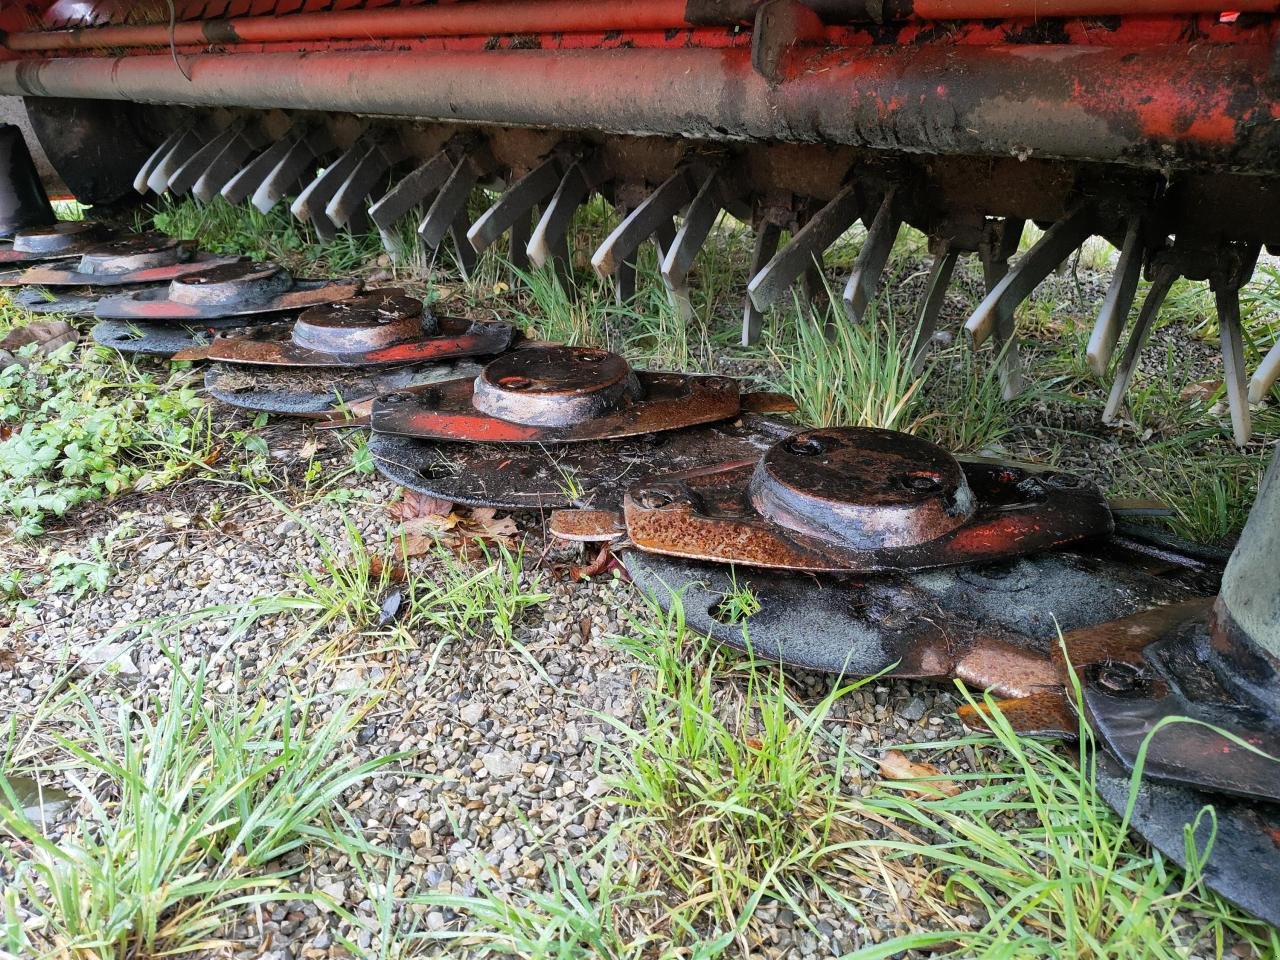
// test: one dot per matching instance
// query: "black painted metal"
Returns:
(1243, 863)
(526, 476)
(158, 339)
(861, 626)
(302, 392)
(23, 202)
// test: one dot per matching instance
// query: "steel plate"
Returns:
(301, 392)
(526, 476)
(1244, 862)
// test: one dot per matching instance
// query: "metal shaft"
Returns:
(1250, 585)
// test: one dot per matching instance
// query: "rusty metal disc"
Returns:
(158, 339)
(229, 290)
(142, 258)
(994, 625)
(1243, 863)
(819, 522)
(555, 394)
(376, 328)
(867, 489)
(322, 392)
(531, 477)
(58, 241)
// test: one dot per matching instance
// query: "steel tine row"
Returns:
(181, 148)
(1118, 301)
(517, 204)
(412, 191)
(296, 166)
(246, 180)
(995, 314)
(549, 241)
(311, 204)
(226, 164)
(185, 177)
(699, 219)
(143, 175)
(804, 252)
(1164, 273)
(864, 281)
(652, 218)
(349, 205)
(935, 295)
(768, 235)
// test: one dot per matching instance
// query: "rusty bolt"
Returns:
(922, 482)
(655, 499)
(1064, 481)
(805, 446)
(1118, 677)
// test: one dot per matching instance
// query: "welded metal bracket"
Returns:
(781, 25)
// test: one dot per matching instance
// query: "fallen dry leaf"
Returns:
(425, 532)
(421, 535)
(896, 765)
(414, 505)
(394, 569)
(1199, 392)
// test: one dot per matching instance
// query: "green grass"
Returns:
(359, 589)
(576, 917)
(185, 805)
(737, 796)
(728, 809)
(841, 373)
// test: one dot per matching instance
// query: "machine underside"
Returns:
(1154, 127)
(1152, 124)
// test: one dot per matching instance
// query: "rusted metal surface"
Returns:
(908, 506)
(375, 329)
(230, 290)
(166, 339)
(1142, 104)
(59, 241)
(593, 474)
(995, 625)
(139, 259)
(558, 395)
(324, 392)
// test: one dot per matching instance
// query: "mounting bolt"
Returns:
(655, 499)
(1118, 677)
(922, 482)
(805, 446)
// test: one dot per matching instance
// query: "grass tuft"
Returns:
(185, 805)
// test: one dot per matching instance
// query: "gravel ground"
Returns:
(512, 743)
(512, 763)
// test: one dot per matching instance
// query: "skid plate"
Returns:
(993, 625)
(527, 476)
(300, 392)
